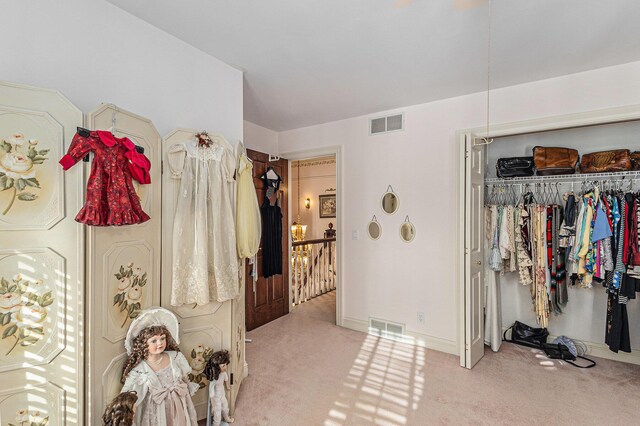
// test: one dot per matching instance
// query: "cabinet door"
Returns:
(41, 260)
(204, 329)
(123, 265)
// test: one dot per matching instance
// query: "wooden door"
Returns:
(474, 251)
(41, 260)
(268, 298)
(123, 266)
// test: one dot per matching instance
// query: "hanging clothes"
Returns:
(205, 262)
(493, 310)
(271, 226)
(248, 221)
(111, 197)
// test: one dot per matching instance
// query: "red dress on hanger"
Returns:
(111, 197)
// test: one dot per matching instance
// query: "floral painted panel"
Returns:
(127, 299)
(31, 180)
(32, 294)
(39, 406)
(198, 359)
(128, 278)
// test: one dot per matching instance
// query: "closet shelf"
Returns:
(575, 177)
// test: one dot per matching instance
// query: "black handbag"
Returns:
(560, 351)
(522, 334)
(515, 167)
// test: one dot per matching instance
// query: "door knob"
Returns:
(478, 262)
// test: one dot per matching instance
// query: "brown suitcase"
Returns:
(635, 160)
(617, 160)
(555, 161)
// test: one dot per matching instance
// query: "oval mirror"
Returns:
(407, 231)
(374, 229)
(390, 201)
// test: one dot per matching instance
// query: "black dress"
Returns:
(271, 229)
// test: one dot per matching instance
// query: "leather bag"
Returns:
(522, 334)
(617, 160)
(635, 160)
(555, 161)
(514, 167)
(560, 351)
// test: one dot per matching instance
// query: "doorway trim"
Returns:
(538, 125)
(309, 153)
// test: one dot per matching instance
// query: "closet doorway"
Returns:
(475, 161)
(268, 298)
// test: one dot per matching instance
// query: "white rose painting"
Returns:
(24, 306)
(199, 357)
(128, 298)
(19, 161)
(35, 418)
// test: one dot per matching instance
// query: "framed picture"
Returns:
(327, 205)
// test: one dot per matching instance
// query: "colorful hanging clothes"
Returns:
(111, 197)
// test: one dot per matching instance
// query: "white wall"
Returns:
(94, 52)
(260, 138)
(394, 280)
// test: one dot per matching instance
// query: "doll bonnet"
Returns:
(148, 317)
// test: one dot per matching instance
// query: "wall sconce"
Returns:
(307, 203)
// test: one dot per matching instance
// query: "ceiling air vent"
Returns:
(390, 123)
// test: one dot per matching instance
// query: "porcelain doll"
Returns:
(158, 372)
(121, 411)
(216, 372)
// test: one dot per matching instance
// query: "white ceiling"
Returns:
(310, 62)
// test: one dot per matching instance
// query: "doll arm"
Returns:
(138, 382)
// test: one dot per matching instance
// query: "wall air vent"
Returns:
(386, 329)
(391, 123)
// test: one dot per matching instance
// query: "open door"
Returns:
(268, 298)
(474, 251)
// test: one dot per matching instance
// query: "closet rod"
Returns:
(574, 177)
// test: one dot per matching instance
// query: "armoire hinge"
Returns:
(161, 167)
(466, 154)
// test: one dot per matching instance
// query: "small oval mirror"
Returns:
(374, 229)
(390, 201)
(407, 231)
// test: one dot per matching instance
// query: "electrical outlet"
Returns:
(420, 318)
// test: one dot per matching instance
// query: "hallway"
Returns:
(303, 370)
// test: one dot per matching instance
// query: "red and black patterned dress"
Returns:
(111, 197)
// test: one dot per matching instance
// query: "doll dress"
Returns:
(248, 221)
(164, 397)
(173, 405)
(111, 197)
(205, 260)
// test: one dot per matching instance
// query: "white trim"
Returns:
(335, 150)
(567, 121)
(415, 338)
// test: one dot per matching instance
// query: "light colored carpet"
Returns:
(304, 370)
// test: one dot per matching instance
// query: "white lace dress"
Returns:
(205, 262)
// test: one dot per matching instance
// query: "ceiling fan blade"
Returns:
(467, 4)
(401, 3)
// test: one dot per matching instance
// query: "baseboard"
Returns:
(601, 350)
(411, 337)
